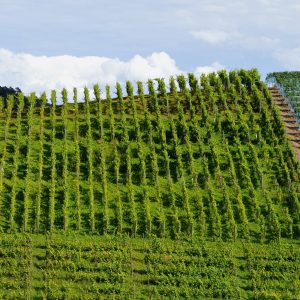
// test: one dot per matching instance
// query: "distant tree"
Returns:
(5, 91)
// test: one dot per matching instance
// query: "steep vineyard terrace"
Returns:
(205, 157)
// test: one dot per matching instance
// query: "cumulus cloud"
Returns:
(216, 66)
(44, 73)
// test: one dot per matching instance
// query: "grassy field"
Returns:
(73, 266)
(188, 191)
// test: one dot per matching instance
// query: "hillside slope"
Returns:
(203, 163)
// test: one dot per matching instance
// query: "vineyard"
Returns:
(113, 267)
(180, 189)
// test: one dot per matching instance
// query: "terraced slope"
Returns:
(289, 85)
(290, 121)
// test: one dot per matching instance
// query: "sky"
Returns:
(53, 44)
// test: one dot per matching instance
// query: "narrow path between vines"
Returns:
(289, 120)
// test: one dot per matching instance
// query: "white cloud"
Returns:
(216, 66)
(44, 73)
(211, 36)
(289, 58)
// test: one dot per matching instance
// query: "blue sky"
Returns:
(51, 44)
